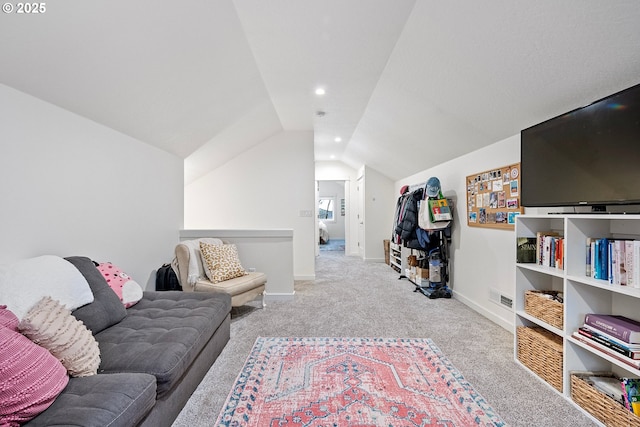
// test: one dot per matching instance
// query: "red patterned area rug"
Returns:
(324, 382)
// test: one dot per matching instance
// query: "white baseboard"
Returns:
(279, 296)
(374, 260)
(312, 277)
(506, 324)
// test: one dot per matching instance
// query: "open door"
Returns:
(360, 216)
(334, 215)
(315, 215)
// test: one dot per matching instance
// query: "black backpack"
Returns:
(166, 279)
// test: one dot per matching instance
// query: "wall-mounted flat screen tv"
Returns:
(589, 156)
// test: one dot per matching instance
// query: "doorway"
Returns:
(332, 198)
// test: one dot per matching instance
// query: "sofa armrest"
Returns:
(184, 252)
(182, 256)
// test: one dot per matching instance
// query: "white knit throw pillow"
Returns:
(52, 326)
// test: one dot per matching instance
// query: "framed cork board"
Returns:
(493, 198)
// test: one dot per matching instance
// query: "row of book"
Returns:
(599, 341)
(618, 337)
(546, 249)
(614, 260)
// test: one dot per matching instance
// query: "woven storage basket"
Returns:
(598, 404)
(551, 311)
(541, 351)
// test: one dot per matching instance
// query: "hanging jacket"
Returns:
(408, 224)
(396, 231)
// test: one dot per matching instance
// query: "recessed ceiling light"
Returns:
(338, 139)
(333, 156)
(320, 91)
(320, 113)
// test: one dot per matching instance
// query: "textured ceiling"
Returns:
(409, 83)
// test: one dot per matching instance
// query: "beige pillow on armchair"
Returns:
(221, 262)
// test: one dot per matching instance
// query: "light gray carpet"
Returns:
(351, 298)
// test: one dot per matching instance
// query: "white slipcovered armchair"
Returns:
(193, 277)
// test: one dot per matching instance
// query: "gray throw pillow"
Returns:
(106, 308)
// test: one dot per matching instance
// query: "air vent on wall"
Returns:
(499, 298)
(506, 301)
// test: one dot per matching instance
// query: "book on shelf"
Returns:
(559, 258)
(614, 273)
(595, 258)
(540, 241)
(617, 356)
(635, 261)
(631, 394)
(555, 257)
(550, 249)
(601, 260)
(618, 263)
(526, 250)
(626, 345)
(590, 257)
(613, 260)
(628, 261)
(613, 345)
(620, 327)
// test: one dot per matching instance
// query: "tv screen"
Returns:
(589, 156)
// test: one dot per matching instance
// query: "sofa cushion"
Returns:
(30, 377)
(221, 262)
(114, 400)
(106, 309)
(52, 326)
(162, 335)
(233, 287)
(24, 282)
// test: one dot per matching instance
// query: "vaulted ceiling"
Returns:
(409, 83)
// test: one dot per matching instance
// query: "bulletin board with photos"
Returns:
(493, 198)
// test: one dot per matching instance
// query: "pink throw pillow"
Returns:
(30, 377)
(129, 291)
(8, 319)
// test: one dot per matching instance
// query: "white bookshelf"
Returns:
(395, 257)
(582, 294)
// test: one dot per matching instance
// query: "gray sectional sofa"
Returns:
(153, 356)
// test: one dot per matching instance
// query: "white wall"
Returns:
(379, 207)
(69, 186)
(481, 257)
(266, 187)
